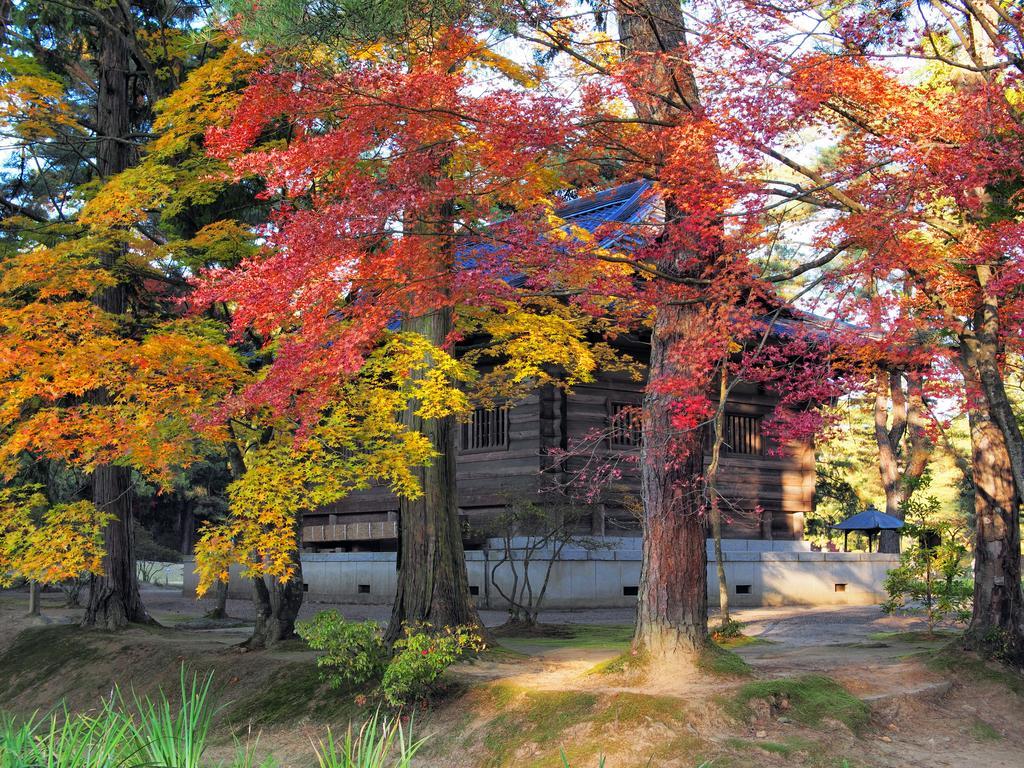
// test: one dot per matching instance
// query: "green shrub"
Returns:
(420, 657)
(354, 652)
(934, 573)
(729, 629)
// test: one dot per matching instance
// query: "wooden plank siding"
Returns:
(522, 468)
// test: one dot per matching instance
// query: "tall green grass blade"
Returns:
(380, 743)
(170, 737)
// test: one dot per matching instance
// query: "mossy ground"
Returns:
(809, 700)
(952, 661)
(293, 693)
(982, 731)
(534, 728)
(721, 662)
(613, 637)
(39, 655)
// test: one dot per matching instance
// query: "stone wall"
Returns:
(759, 573)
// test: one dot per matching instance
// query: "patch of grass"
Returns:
(499, 653)
(625, 663)
(551, 712)
(295, 691)
(807, 700)
(716, 660)
(681, 744)
(960, 664)
(917, 636)
(591, 636)
(786, 748)
(40, 654)
(982, 731)
(536, 717)
(503, 694)
(627, 708)
(741, 641)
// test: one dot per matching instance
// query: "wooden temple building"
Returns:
(520, 452)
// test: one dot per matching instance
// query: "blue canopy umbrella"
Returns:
(870, 521)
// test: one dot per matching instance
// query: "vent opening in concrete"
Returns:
(305, 587)
(364, 589)
(630, 591)
(743, 589)
(840, 587)
(474, 589)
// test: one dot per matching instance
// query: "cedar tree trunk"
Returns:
(432, 583)
(672, 612)
(673, 605)
(114, 599)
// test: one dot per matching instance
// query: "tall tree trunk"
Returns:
(432, 583)
(904, 447)
(990, 376)
(997, 621)
(672, 612)
(114, 599)
(673, 606)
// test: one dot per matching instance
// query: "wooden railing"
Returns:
(383, 529)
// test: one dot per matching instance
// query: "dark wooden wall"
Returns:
(552, 437)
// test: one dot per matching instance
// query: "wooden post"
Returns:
(846, 541)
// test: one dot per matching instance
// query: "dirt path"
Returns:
(923, 714)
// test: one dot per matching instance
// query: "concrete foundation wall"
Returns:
(607, 576)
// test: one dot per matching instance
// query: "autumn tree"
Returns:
(919, 189)
(96, 379)
(47, 543)
(924, 179)
(393, 175)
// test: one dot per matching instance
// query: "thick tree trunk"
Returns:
(672, 609)
(277, 607)
(997, 621)
(985, 348)
(672, 612)
(114, 599)
(432, 584)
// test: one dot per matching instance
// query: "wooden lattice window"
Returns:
(486, 430)
(743, 435)
(625, 425)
